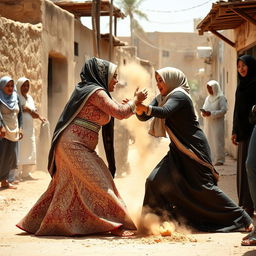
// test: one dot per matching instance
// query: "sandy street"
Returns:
(14, 242)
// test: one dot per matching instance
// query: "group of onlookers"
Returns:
(17, 133)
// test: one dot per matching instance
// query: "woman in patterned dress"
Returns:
(82, 198)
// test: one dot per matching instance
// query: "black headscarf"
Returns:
(94, 76)
(245, 99)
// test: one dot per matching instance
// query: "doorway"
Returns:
(57, 87)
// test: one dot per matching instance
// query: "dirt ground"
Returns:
(15, 204)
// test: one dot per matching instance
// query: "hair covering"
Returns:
(175, 80)
(96, 74)
(250, 62)
(19, 83)
(9, 101)
(217, 92)
(245, 99)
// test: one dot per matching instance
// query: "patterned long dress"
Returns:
(82, 197)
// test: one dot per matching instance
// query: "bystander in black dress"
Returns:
(244, 100)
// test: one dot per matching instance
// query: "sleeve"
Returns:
(20, 115)
(101, 100)
(222, 109)
(203, 107)
(234, 129)
(172, 105)
(145, 117)
(205, 103)
(108, 142)
(1, 120)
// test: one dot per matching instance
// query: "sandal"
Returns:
(7, 185)
(250, 239)
(122, 232)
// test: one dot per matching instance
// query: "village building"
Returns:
(46, 42)
(234, 25)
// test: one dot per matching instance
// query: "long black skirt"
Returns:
(244, 196)
(8, 157)
(182, 189)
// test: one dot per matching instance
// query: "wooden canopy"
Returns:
(228, 15)
(84, 8)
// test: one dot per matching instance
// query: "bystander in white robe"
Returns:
(214, 126)
(27, 146)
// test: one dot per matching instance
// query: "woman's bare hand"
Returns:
(140, 95)
(125, 101)
(2, 132)
(234, 139)
(141, 108)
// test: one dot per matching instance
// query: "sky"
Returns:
(163, 16)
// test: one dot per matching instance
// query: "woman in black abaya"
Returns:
(184, 183)
(242, 129)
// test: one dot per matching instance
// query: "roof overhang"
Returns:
(228, 15)
(84, 8)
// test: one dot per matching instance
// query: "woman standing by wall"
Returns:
(27, 146)
(213, 112)
(10, 129)
(242, 129)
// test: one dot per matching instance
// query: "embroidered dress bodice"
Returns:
(98, 109)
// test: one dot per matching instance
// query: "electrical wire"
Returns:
(174, 11)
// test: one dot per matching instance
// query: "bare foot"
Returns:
(249, 228)
(122, 232)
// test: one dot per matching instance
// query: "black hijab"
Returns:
(245, 99)
(95, 75)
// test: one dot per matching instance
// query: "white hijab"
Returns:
(175, 80)
(19, 83)
(111, 71)
(217, 92)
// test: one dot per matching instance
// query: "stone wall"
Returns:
(25, 11)
(20, 51)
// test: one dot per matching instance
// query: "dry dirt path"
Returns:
(13, 242)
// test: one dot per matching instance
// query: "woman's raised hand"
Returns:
(2, 131)
(125, 101)
(141, 108)
(140, 95)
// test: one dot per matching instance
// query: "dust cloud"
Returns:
(143, 155)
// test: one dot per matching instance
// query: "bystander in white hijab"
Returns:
(217, 92)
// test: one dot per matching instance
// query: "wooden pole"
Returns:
(98, 25)
(94, 29)
(110, 31)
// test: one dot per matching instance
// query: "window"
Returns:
(165, 53)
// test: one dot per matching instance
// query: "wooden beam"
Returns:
(223, 38)
(115, 26)
(98, 3)
(110, 31)
(244, 15)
